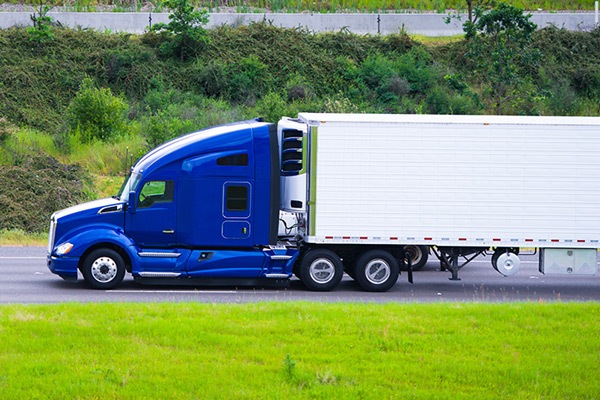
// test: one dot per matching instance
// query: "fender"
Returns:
(83, 239)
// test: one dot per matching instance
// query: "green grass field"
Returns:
(300, 350)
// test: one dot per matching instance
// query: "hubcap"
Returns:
(322, 270)
(104, 269)
(377, 271)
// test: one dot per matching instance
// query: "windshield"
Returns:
(130, 184)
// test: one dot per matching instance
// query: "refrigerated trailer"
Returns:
(369, 195)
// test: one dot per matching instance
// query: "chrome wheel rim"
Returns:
(322, 270)
(377, 271)
(104, 269)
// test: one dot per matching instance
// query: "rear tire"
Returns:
(376, 271)
(420, 254)
(103, 269)
(321, 270)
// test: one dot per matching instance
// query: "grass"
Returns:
(107, 186)
(18, 237)
(300, 350)
(100, 157)
(436, 40)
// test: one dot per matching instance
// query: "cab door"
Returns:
(154, 222)
(236, 225)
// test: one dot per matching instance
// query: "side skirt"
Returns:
(256, 282)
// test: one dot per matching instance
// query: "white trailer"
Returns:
(366, 187)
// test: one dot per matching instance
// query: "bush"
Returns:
(5, 130)
(442, 101)
(95, 113)
(190, 114)
(35, 188)
(248, 78)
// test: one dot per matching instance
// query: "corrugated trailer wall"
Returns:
(451, 180)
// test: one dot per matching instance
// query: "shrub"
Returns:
(96, 113)
(298, 88)
(442, 101)
(190, 115)
(168, 124)
(247, 78)
(5, 129)
(31, 191)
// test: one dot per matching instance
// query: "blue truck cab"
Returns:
(202, 208)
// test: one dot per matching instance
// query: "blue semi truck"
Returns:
(369, 194)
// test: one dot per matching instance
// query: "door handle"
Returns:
(169, 231)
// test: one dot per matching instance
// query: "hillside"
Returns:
(51, 93)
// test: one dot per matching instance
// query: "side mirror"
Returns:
(132, 203)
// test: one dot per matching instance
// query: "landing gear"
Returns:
(449, 258)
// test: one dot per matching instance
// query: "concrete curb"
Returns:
(384, 24)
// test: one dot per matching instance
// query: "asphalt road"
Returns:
(24, 278)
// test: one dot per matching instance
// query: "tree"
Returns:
(481, 4)
(186, 26)
(499, 44)
(40, 32)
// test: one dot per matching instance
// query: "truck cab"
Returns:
(202, 206)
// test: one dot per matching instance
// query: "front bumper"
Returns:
(65, 267)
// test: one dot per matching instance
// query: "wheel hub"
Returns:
(377, 271)
(322, 270)
(104, 269)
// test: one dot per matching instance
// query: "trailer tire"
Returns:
(103, 269)
(321, 270)
(376, 271)
(420, 257)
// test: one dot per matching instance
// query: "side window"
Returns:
(236, 198)
(156, 192)
(235, 159)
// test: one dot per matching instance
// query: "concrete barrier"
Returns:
(384, 24)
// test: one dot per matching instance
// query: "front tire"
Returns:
(321, 270)
(103, 269)
(376, 271)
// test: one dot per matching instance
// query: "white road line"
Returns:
(489, 262)
(175, 291)
(22, 258)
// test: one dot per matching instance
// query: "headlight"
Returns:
(63, 249)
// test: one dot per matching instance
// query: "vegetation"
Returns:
(102, 100)
(299, 350)
(321, 6)
(185, 26)
(499, 45)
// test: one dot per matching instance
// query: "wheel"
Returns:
(103, 269)
(376, 271)
(419, 257)
(321, 269)
(498, 252)
(506, 261)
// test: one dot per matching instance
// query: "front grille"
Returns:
(51, 234)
